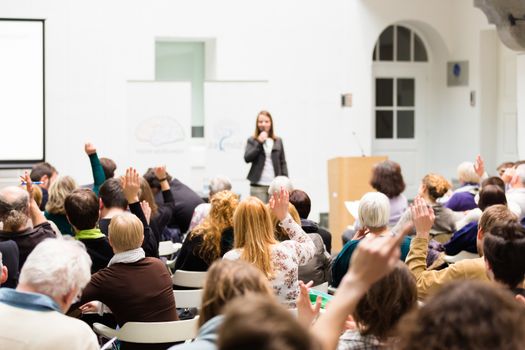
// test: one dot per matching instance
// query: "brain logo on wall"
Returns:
(159, 131)
(225, 137)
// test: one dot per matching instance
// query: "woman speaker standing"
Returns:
(266, 153)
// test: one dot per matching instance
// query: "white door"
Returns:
(398, 121)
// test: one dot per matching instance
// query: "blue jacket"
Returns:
(464, 239)
(207, 337)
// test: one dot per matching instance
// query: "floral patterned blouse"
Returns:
(286, 257)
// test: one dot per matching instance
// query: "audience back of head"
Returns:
(387, 178)
(258, 323)
(435, 185)
(389, 299)
(504, 251)
(467, 173)
(14, 206)
(126, 232)
(58, 191)
(111, 194)
(280, 182)
(42, 172)
(301, 202)
(227, 280)
(374, 210)
(82, 209)
(491, 195)
(466, 315)
(57, 267)
(109, 167)
(218, 184)
(152, 180)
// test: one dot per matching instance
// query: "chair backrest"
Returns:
(323, 287)
(462, 255)
(186, 299)
(168, 248)
(158, 332)
(190, 279)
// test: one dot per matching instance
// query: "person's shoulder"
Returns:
(233, 254)
(78, 332)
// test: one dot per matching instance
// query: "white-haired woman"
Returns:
(463, 198)
(374, 215)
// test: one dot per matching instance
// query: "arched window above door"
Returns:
(399, 44)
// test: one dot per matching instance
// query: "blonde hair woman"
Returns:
(255, 243)
(211, 239)
(58, 191)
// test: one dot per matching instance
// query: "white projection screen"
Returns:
(21, 92)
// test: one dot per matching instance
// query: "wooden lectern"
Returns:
(348, 180)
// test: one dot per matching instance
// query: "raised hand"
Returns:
(279, 202)
(160, 172)
(131, 185)
(479, 166)
(305, 310)
(26, 180)
(90, 149)
(146, 209)
(422, 217)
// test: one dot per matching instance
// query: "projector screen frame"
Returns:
(28, 163)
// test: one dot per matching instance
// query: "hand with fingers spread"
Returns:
(146, 209)
(508, 175)
(89, 148)
(279, 204)
(422, 217)
(160, 172)
(479, 166)
(307, 312)
(131, 185)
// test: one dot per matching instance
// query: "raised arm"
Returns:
(98, 172)
(37, 217)
(131, 188)
(373, 259)
(304, 247)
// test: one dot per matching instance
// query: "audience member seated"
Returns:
(255, 243)
(10, 257)
(463, 198)
(256, 322)
(387, 179)
(133, 287)
(45, 174)
(430, 281)
(55, 211)
(82, 212)
(225, 281)
(465, 239)
(379, 311)
(115, 195)
(302, 203)
(516, 192)
(432, 188)
(32, 316)
(504, 253)
(374, 214)
(185, 200)
(280, 182)
(16, 208)
(112, 202)
(211, 239)
(504, 166)
(109, 166)
(316, 270)
(467, 315)
(160, 214)
(217, 184)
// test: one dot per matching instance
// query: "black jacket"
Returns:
(255, 154)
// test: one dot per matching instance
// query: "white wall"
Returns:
(309, 52)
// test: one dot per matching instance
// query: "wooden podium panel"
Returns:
(348, 180)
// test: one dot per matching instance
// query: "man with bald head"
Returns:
(17, 206)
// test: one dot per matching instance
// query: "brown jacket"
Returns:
(430, 281)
